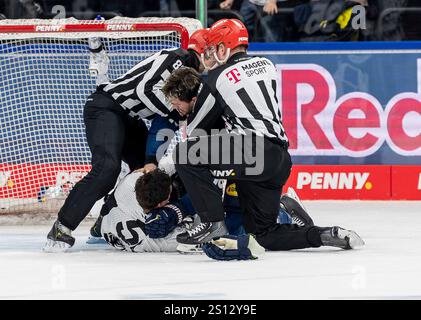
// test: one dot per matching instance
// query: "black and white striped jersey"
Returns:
(138, 91)
(245, 93)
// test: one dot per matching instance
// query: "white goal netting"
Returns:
(44, 82)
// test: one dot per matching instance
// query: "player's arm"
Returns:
(149, 88)
(156, 139)
(161, 221)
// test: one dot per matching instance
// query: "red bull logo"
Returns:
(318, 122)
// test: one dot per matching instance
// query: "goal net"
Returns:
(44, 82)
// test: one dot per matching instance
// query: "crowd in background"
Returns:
(266, 20)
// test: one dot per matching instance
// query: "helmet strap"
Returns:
(202, 58)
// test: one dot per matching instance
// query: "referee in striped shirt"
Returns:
(243, 91)
(115, 131)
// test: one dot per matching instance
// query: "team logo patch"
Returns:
(223, 173)
(233, 75)
(232, 190)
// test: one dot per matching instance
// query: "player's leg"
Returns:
(194, 167)
(259, 200)
(207, 201)
(95, 231)
(134, 147)
(233, 212)
(161, 129)
(237, 157)
(133, 154)
(105, 134)
(259, 205)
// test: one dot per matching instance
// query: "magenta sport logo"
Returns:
(320, 122)
(233, 75)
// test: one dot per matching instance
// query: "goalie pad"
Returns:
(244, 247)
(161, 221)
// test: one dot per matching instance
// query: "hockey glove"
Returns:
(166, 163)
(228, 247)
(161, 221)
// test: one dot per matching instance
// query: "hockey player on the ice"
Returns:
(243, 92)
(140, 217)
(115, 131)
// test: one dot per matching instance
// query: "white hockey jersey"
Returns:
(123, 226)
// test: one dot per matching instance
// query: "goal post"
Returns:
(44, 82)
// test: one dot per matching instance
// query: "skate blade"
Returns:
(96, 240)
(52, 246)
(355, 240)
(189, 248)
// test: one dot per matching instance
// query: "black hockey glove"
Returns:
(161, 221)
(228, 247)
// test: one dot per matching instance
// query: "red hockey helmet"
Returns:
(197, 41)
(231, 32)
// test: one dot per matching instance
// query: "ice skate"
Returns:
(95, 233)
(341, 238)
(59, 239)
(295, 208)
(190, 223)
(202, 233)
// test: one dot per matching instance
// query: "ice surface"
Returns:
(388, 267)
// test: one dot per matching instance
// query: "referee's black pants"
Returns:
(112, 137)
(260, 175)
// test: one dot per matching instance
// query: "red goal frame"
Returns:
(100, 26)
